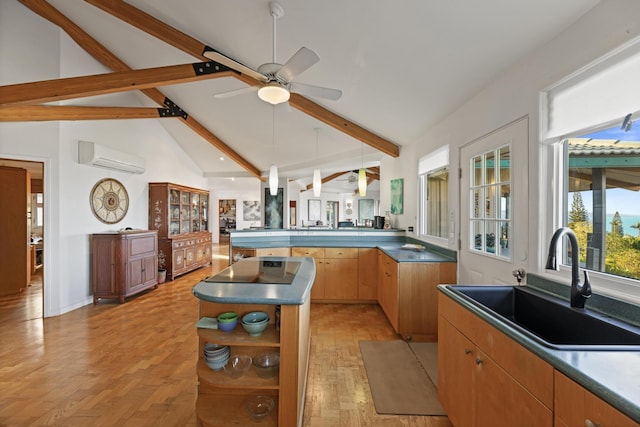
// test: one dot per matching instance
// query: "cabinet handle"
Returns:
(589, 423)
(478, 361)
(467, 351)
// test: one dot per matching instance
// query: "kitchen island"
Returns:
(281, 287)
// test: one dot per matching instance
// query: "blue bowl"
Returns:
(228, 326)
(255, 317)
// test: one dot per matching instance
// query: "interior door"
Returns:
(494, 214)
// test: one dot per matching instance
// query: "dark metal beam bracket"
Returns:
(174, 110)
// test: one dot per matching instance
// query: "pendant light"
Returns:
(362, 177)
(317, 179)
(273, 170)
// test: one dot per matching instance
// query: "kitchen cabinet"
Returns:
(576, 406)
(222, 400)
(15, 229)
(336, 273)
(388, 287)
(318, 289)
(486, 378)
(407, 293)
(123, 264)
(341, 274)
(180, 216)
(368, 274)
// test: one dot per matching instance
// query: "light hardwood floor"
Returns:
(133, 364)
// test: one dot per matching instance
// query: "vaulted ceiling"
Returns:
(401, 67)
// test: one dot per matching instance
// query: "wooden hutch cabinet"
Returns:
(123, 263)
(180, 214)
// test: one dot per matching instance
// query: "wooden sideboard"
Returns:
(180, 215)
(123, 264)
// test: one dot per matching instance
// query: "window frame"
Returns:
(435, 161)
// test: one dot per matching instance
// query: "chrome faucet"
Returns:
(580, 292)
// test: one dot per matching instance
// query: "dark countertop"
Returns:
(613, 376)
(244, 289)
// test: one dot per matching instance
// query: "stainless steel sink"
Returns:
(550, 320)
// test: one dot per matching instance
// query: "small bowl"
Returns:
(255, 329)
(260, 406)
(255, 317)
(228, 326)
(237, 365)
(267, 364)
(228, 317)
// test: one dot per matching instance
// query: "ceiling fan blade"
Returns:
(316, 91)
(299, 62)
(235, 92)
(225, 60)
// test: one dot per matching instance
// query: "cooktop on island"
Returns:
(258, 271)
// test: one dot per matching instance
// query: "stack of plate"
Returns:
(216, 355)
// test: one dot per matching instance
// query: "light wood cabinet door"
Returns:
(500, 400)
(318, 289)
(341, 278)
(368, 274)
(388, 288)
(576, 406)
(455, 374)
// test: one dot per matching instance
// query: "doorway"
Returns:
(227, 218)
(31, 300)
(332, 214)
(494, 214)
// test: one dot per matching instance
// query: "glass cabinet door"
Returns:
(174, 212)
(204, 210)
(185, 211)
(195, 212)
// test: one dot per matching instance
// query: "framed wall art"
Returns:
(273, 209)
(315, 210)
(397, 196)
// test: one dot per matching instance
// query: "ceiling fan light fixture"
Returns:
(317, 183)
(362, 182)
(274, 94)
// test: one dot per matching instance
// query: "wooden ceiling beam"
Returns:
(39, 113)
(149, 24)
(108, 59)
(102, 84)
(343, 125)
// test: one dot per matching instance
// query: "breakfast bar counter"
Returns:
(279, 287)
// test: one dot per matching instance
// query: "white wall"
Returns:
(68, 218)
(514, 95)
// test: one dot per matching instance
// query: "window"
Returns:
(490, 193)
(433, 190)
(602, 199)
(590, 124)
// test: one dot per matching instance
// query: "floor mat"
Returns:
(399, 384)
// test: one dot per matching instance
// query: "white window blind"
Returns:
(601, 92)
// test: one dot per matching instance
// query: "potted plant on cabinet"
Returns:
(162, 270)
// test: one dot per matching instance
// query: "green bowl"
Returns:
(228, 317)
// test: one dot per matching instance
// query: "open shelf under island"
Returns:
(281, 287)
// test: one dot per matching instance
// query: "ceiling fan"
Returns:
(277, 79)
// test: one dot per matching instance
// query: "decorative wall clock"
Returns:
(109, 200)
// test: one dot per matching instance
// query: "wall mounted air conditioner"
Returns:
(90, 153)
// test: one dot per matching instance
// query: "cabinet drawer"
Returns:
(317, 253)
(142, 245)
(341, 252)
